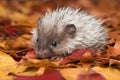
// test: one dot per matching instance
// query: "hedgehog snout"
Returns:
(44, 53)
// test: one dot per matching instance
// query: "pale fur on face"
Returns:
(90, 32)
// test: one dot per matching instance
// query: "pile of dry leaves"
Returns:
(17, 57)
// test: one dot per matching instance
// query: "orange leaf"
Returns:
(114, 51)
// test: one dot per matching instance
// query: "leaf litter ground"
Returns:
(17, 57)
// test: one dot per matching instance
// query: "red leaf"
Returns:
(51, 76)
(90, 75)
(49, 70)
(31, 54)
(79, 53)
(13, 31)
(76, 56)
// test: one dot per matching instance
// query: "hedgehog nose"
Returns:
(44, 53)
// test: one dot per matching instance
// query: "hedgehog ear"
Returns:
(70, 29)
(39, 21)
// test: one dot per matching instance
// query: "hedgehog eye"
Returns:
(54, 43)
(37, 40)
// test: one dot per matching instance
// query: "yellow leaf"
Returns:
(16, 16)
(33, 67)
(3, 11)
(6, 61)
(108, 73)
(2, 44)
(41, 71)
(72, 73)
(7, 64)
(21, 42)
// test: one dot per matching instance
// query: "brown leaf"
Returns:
(37, 63)
(115, 50)
(114, 63)
(87, 57)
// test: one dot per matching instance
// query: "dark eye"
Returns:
(37, 40)
(54, 43)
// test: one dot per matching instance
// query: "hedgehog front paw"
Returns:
(57, 58)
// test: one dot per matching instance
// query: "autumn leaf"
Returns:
(90, 75)
(7, 64)
(3, 11)
(51, 76)
(114, 51)
(115, 63)
(21, 42)
(37, 63)
(31, 54)
(72, 73)
(18, 60)
(77, 55)
(106, 72)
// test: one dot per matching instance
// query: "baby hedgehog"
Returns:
(65, 30)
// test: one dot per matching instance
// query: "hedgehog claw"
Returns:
(56, 58)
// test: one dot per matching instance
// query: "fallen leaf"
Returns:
(114, 51)
(21, 42)
(31, 54)
(17, 16)
(3, 11)
(54, 75)
(114, 63)
(37, 63)
(76, 56)
(71, 73)
(90, 75)
(2, 44)
(7, 64)
(108, 73)
(88, 57)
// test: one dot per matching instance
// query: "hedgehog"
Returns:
(60, 32)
